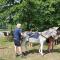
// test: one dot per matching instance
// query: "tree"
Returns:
(40, 13)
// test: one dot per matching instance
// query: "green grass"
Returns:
(4, 42)
(9, 54)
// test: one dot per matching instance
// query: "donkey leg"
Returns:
(41, 49)
(30, 44)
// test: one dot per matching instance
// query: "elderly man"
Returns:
(17, 40)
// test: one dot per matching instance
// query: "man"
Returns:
(17, 40)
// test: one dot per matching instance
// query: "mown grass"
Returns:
(7, 52)
(4, 41)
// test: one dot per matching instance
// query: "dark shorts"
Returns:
(17, 43)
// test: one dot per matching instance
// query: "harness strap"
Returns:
(43, 35)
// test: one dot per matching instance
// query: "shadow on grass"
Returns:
(2, 59)
(37, 51)
(30, 51)
(56, 50)
(3, 47)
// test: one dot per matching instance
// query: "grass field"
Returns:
(7, 52)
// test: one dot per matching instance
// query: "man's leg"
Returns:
(30, 44)
(16, 50)
(20, 50)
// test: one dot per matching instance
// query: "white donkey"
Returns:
(42, 37)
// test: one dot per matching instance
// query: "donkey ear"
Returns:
(58, 29)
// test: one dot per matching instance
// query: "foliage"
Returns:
(41, 14)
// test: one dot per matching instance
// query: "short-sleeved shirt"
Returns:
(17, 34)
